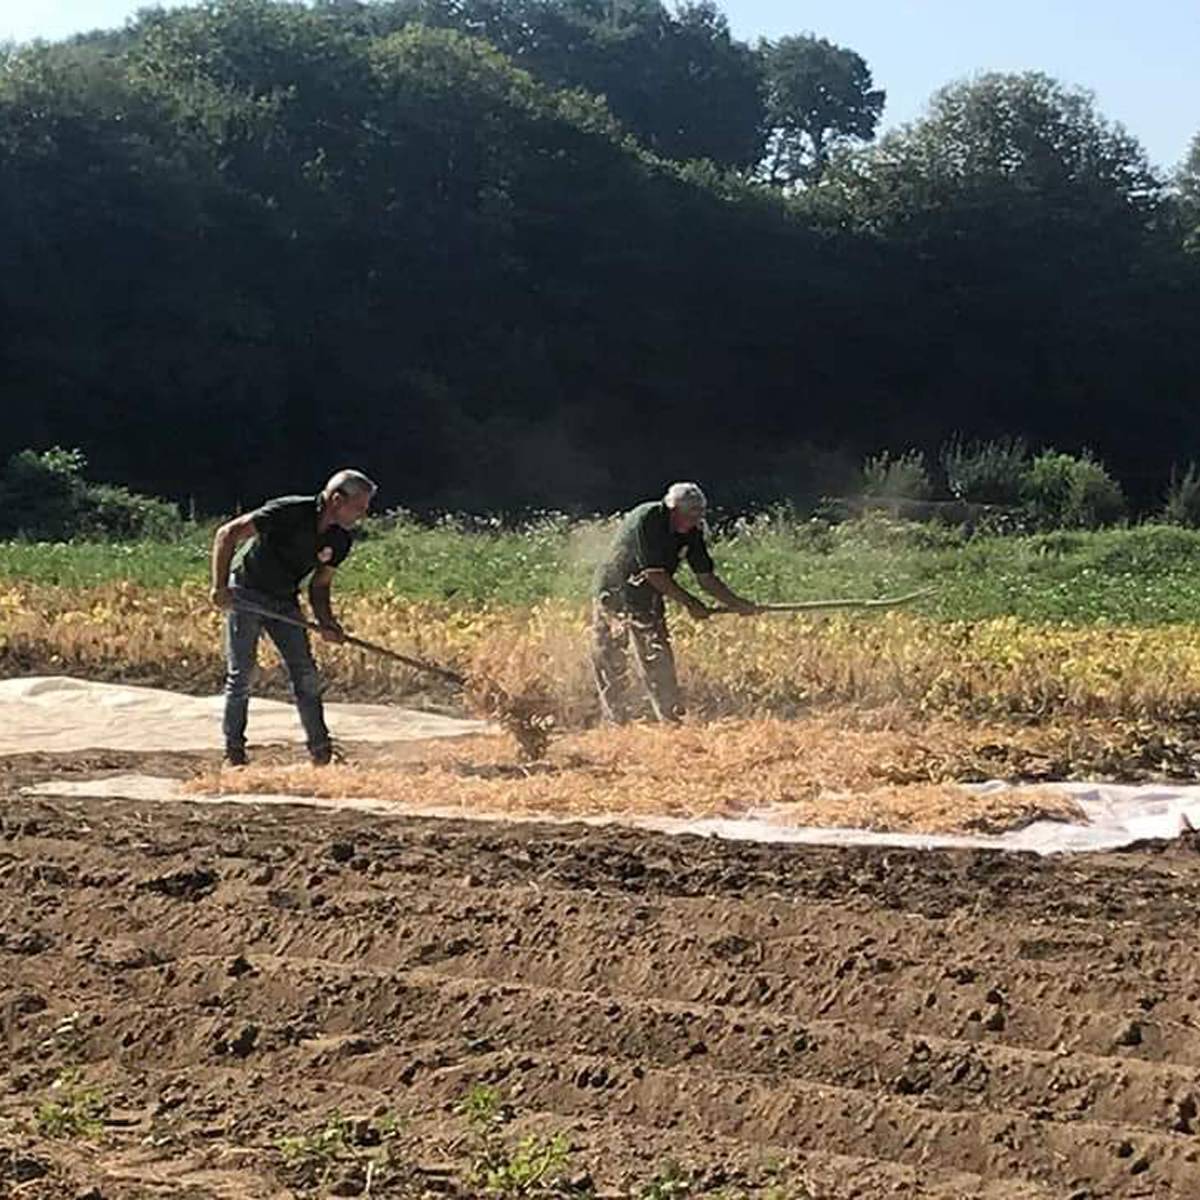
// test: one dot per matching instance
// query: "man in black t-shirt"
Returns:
(628, 611)
(287, 540)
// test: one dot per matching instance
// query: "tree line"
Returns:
(508, 253)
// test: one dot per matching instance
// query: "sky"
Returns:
(1140, 59)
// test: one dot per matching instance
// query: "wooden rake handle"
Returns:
(417, 664)
(826, 605)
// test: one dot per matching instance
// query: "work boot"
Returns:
(235, 756)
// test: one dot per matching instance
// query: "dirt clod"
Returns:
(192, 883)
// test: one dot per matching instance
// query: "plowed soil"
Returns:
(778, 1022)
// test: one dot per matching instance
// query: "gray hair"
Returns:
(350, 483)
(687, 497)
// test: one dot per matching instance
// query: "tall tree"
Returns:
(675, 78)
(1188, 184)
(1023, 144)
(819, 97)
(294, 235)
(1034, 220)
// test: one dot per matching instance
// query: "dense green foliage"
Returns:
(902, 476)
(1064, 492)
(1188, 183)
(986, 472)
(246, 242)
(818, 98)
(674, 77)
(1183, 498)
(47, 496)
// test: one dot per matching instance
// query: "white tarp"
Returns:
(1116, 815)
(57, 714)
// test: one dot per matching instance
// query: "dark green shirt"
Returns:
(286, 547)
(645, 539)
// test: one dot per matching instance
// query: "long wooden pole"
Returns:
(823, 605)
(417, 664)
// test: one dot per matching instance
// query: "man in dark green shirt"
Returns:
(289, 539)
(629, 613)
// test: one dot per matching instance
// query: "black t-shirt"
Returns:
(645, 539)
(286, 547)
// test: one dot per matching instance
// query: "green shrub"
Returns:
(45, 497)
(1183, 498)
(985, 472)
(1147, 550)
(903, 478)
(39, 492)
(107, 510)
(1063, 492)
(534, 1168)
(74, 1111)
(879, 532)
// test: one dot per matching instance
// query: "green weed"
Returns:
(315, 1155)
(532, 1167)
(74, 1111)
(670, 1183)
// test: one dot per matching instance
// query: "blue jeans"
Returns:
(242, 630)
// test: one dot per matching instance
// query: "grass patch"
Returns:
(1142, 575)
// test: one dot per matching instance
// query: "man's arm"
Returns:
(662, 582)
(319, 589)
(714, 586)
(225, 541)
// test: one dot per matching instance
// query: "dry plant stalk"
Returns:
(529, 683)
(527, 718)
(846, 768)
(755, 666)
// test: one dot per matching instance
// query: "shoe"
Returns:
(235, 756)
(322, 756)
